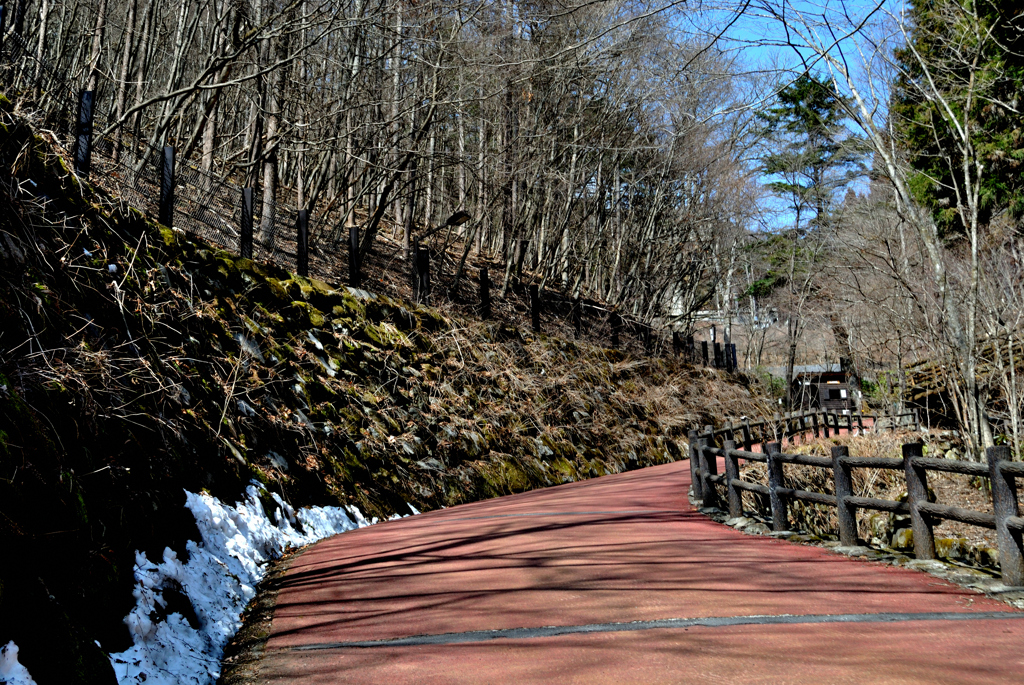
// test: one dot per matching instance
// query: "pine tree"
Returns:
(812, 155)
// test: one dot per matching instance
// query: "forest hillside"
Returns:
(137, 363)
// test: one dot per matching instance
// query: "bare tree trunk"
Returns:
(97, 46)
(44, 13)
(122, 76)
(274, 88)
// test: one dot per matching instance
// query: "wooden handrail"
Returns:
(1005, 518)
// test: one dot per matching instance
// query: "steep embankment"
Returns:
(136, 362)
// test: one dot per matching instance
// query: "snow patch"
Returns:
(12, 672)
(218, 580)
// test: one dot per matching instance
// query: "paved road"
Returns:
(617, 580)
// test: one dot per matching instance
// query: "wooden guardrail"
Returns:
(817, 423)
(1005, 517)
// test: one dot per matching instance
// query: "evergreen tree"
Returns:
(810, 156)
(972, 53)
(811, 153)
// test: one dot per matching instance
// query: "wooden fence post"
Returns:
(577, 317)
(1004, 505)
(695, 474)
(732, 472)
(917, 492)
(844, 488)
(776, 420)
(814, 424)
(485, 294)
(780, 518)
(302, 243)
(245, 235)
(748, 442)
(824, 420)
(535, 307)
(353, 256)
(167, 188)
(83, 132)
(860, 422)
(709, 465)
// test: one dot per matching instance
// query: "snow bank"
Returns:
(11, 672)
(218, 580)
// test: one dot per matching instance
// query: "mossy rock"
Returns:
(386, 335)
(952, 548)
(280, 290)
(305, 315)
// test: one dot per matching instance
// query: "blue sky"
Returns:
(758, 42)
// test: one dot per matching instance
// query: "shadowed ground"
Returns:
(413, 601)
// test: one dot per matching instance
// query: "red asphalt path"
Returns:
(616, 549)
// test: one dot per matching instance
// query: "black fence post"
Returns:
(732, 354)
(421, 273)
(353, 256)
(535, 308)
(245, 238)
(704, 351)
(695, 472)
(616, 329)
(709, 467)
(844, 488)
(677, 343)
(485, 294)
(730, 363)
(577, 317)
(167, 187)
(780, 518)
(719, 357)
(302, 243)
(83, 132)
(917, 493)
(732, 472)
(1004, 505)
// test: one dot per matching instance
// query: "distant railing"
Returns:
(713, 489)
